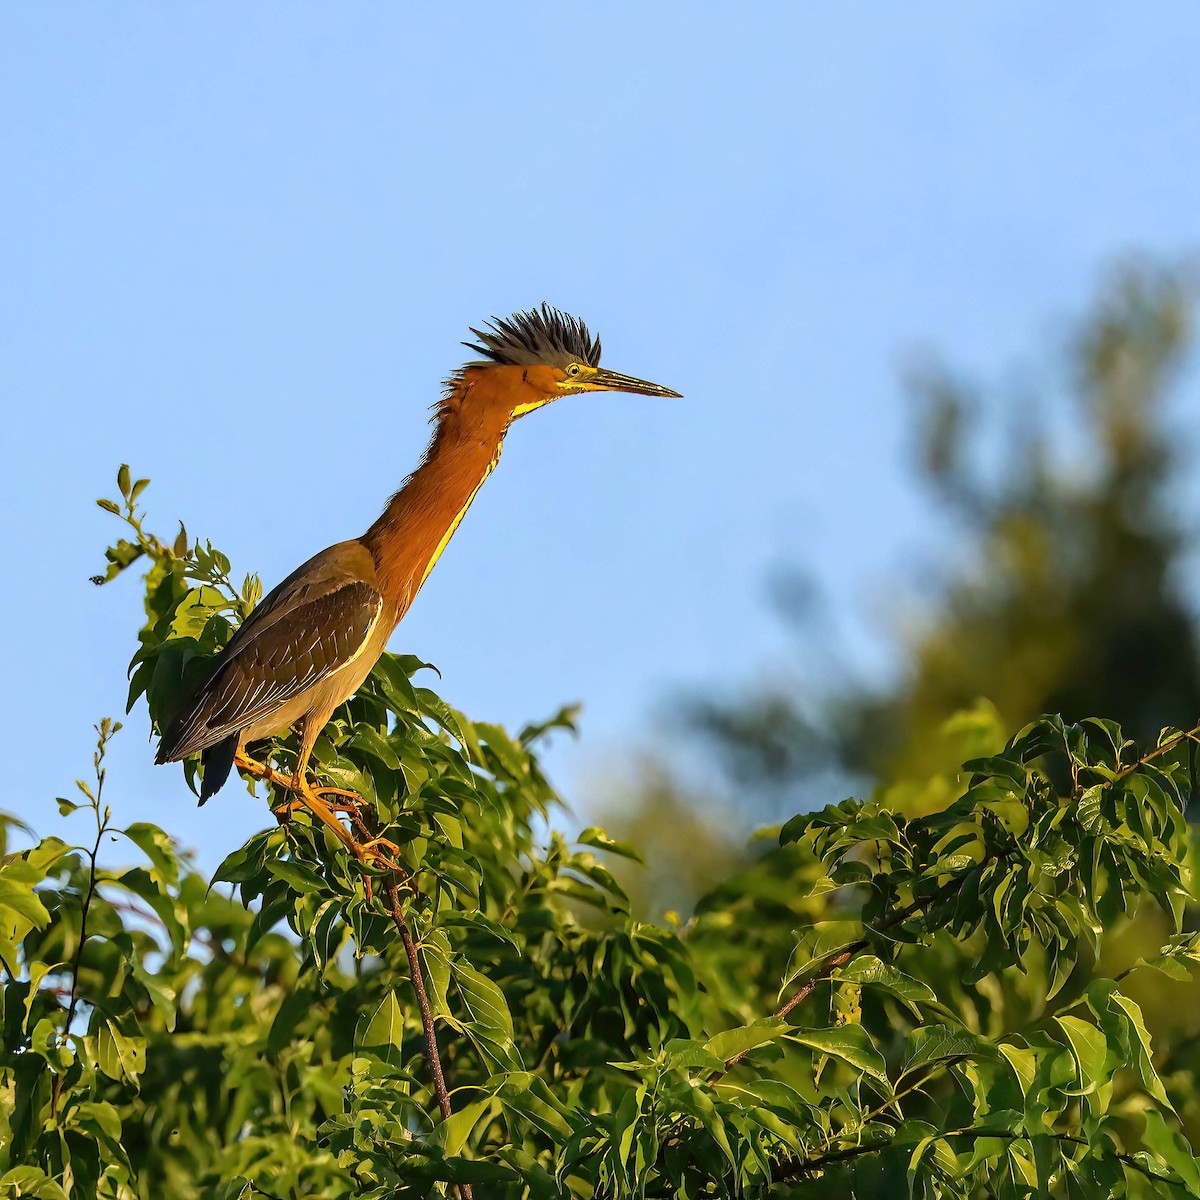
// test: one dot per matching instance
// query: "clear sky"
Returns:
(241, 243)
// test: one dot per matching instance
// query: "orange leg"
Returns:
(284, 811)
(311, 798)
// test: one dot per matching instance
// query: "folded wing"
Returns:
(314, 623)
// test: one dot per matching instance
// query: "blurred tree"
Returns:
(687, 832)
(1065, 592)
(1067, 597)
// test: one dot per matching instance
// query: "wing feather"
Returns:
(299, 635)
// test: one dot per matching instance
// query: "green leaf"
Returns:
(451, 720)
(438, 958)
(326, 932)
(851, 1043)
(595, 836)
(46, 1043)
(510, 757)
(24, 902)
(867, 969)
(161, 993)
(37, 972)
(733, 1042)
(483, 1001)
(1171, 958)
(28, 1180)
(386, 1026)
(452, 1134)
(680, 1054)
(120, 1056)
(1173, 1148)
(291, 1012)
(1143, 1057)
(795, 828)
(1090, 1048)
(372, 742)
(1023, 1063)
(942, 1043)
(296, 875)
(528, 1097)
(241, 864)
(157, 847)
(499, 1055)
(939, 1150)
(817, 942)
(477, 922)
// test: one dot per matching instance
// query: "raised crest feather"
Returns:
(541, 335)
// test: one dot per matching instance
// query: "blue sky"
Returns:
(242, 243)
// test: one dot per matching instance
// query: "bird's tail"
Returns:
(179, 738)
(217, 762)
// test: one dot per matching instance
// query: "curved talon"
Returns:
(353, 797)
(311, 796)
(365, 852)
(283, 812)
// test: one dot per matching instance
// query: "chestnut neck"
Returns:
(421, 517)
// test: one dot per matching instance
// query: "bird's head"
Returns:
(532, 358)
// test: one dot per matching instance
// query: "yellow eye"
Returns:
(574, 369)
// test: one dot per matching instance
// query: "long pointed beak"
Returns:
(613, 381)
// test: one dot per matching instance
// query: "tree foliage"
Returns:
(884, 1005)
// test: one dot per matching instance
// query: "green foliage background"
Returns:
(932, 991)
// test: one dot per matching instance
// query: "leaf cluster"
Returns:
(885, 1005)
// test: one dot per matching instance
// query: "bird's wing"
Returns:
(315, 622)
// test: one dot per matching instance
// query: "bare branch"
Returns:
(417, 971)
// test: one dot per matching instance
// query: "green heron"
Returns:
(312, 641)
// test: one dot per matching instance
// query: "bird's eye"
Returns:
(574, 369)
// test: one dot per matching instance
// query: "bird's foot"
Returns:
(349, 802)
(263, 771)
(372, 853)
(369, 855)
(283, 812)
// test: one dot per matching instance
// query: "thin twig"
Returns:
(842, 955)
(105, 731)
(1167, 745)
(87, 901)
(417, 972)
(799, 1169)
(828, 966)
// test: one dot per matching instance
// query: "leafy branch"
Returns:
(105, 731)
(124, 554)
(200, 561)
(840, 956)
(821, 971)
(809, 1167)
(417, 971)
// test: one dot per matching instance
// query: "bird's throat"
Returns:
(421, 518)
(462, 512)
